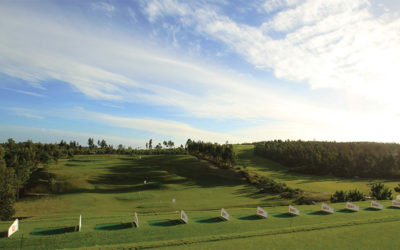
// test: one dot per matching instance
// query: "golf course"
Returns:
(107, 189)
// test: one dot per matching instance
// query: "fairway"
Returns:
(322, 186)
(108, 189)
(112, 184)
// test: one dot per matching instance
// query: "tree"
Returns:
(151, 144)
(121, 149)
(7, 189)
(103, 144)
(91, 143)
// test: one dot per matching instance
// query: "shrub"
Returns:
(304, 200)
(339, 196)
(397, 189)
(380, 192)
(355, 195)
(291, 193)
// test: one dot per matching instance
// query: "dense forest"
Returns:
(20, 163)
(221, 154)
(345, 159)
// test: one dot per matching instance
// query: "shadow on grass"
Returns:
(250, 217)
(165, 223)
(284, 215)
(393, 207)
(3, 234)
(251, 192)
(318, 213)
(53, 231)
(372, 209)
(128, 175)
(20, 218)
(347, 211)
(114, 226)
(209, 220)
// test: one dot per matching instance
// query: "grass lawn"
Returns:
(113, 185)
(108, 189)
(161, 230)
(365, 236)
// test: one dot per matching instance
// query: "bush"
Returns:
(352, 195)
(355, 195)
(397, 189)
(304, 200)
(339, 196)
(380, 192)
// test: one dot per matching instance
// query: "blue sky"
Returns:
(237, 71)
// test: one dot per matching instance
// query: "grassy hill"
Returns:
(112, 184)
(107, 189)
(322, 186)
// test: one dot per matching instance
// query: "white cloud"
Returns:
(156, 9)
(336, 47)
(328, 44)
(25, 113)
(25, 92)
(274, 5)
(103, 6)
(167, 128)
(126, 72)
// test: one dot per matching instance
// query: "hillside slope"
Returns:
(319, 185)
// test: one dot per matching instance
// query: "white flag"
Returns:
(376, 205)
(293, 210)
(80, 223)
(352, 207)
(136, 220)
(395, 203)
(261, 212)
(184, 217)
(224, 214)
(326, 208)
(13, 228)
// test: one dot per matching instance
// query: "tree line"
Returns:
(17, 163)
(344, 159)
(221, 154)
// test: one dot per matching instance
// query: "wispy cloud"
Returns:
(107, 8)
(167, 128)
(25, 113)
(132, 72)
(24, 92)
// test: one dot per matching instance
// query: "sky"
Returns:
(212, 70)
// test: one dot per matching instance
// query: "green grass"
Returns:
(365, 236)
(157, 230)
(108, 189)
(318, 185)
(113, 185)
